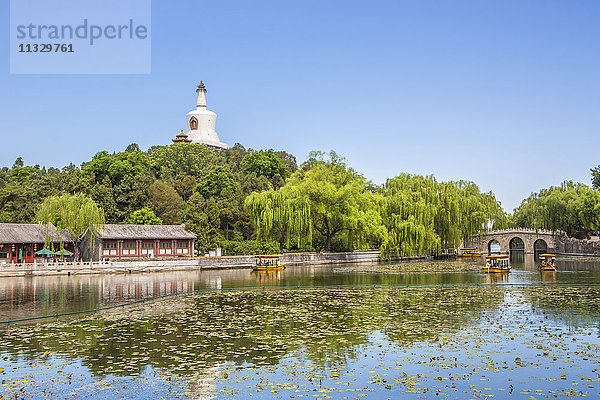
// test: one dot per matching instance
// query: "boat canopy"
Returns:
(267, 261)
(547, 256)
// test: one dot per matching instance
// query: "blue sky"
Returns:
(503, 93)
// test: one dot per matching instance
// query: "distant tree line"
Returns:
(180, 183)
(327, 205)
(248, 201)
(573, 208)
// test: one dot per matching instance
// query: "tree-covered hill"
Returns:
(249, 201)
(179, 183)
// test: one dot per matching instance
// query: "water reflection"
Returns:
(388, 342)
(579, 264)
(31, 296)
(520, 260)
(571, 306)
(428, 332)
(548, 276)
(256, 327)
(517, 257)
(502, 277)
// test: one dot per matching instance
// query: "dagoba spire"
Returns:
(201, 102)
(201, 123)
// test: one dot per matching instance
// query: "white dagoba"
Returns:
(201, 122)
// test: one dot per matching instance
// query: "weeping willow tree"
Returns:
(280, 217)
(571, 207)
(325, 205)
(449, 217)
(478, 210)
(344, 214)
(409, 215)
(422, 215)
(328, 203)
(76, 215)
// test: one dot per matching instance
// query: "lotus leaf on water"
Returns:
(462, 341)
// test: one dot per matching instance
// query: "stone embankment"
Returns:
(577, 247)
(180, 264)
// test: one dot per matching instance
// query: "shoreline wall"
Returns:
(208, 262)
(181, 264)
(576, 247)
(120, 266)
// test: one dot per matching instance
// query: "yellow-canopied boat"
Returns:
(496, 264)
(267, 263)
(548, 262)
(468, 253)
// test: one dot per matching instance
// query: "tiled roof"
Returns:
(30, 233)
(113, 231)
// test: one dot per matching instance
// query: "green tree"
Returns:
(281, 218)
(183, 159)
(18, 162)
(201, 216)
(590, 210)
(409, 215)
(166, 202)
(337, 198)
(325, 204)
(132, 194)
(185, 186)
(23, 188)
(77, 215)
(289, 162)
(144, 216)
(266, 163)
(132, 148)
(104, 195)
(596, 177)
(216, 183)
(570, 207)
(422, 214)
(117, 167)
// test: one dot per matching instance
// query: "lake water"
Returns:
(320, 332)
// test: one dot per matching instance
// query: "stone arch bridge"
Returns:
(518, 239)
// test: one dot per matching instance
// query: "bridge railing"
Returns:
(39, 265)
(522, 230)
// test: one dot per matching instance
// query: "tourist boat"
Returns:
(468, 252)
(547, 262)
(496, 264)
(267, 263)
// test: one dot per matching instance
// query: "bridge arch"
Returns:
(509, 243)
(539, 247)
(494, 247)
(516, 249)
(516, 244)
